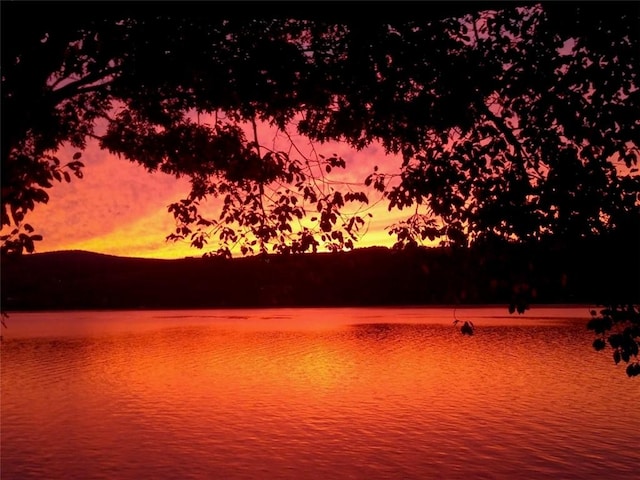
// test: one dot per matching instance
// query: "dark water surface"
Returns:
(313, 393)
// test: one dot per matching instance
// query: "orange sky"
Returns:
(119, 208)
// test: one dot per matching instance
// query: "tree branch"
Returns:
(89, 81)
(260, 186)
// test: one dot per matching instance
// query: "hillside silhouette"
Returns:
(377, 276)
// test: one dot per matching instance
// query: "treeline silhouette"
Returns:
(588, 273)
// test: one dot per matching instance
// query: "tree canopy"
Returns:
(516, 121)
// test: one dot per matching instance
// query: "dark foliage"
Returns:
(619, 327)
(515, 120)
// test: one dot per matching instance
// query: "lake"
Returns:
(335, 393)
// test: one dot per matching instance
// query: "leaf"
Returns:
(616, 357)
(28, 244)
(633, 369)
(599, 344)
(77, 155)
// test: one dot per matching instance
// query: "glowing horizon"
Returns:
(119, 208)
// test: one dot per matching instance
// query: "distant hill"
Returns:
(362, 277)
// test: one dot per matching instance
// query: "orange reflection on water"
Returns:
(332, 393)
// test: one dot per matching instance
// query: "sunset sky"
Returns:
(119, 208)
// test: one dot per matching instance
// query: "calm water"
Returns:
(313, 393)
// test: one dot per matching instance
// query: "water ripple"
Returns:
(359, 394)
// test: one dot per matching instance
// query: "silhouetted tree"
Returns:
(516, 121)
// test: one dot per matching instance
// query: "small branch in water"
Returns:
(3, 315)
(467, 327)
